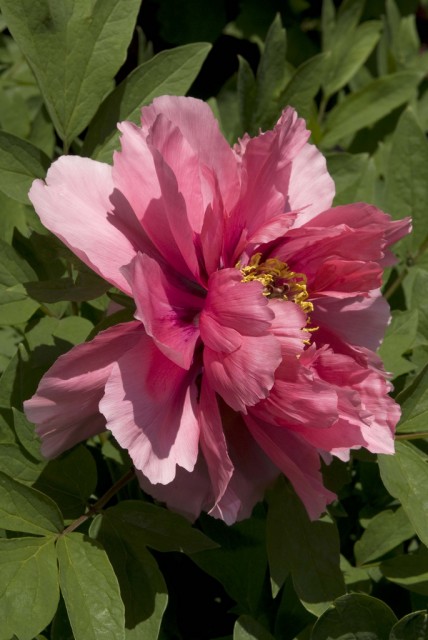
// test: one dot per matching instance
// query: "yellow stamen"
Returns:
(279, 282)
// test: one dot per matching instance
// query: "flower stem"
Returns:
(411, 436)
(95, 508)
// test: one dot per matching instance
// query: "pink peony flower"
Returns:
(258, 311)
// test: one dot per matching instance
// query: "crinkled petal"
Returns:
(65, 405)
(75, 203)
(297, 460)
(167, 309)
(150, 406)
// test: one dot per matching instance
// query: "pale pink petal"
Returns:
(212, 442)
(297, 460)
(197, 124)
(65, 405)
(188, 494)
(75, 203)
(150, 406)
(167, 309)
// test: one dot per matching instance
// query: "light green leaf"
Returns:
(159, 528)
(246, 628)
(20, 164)
(414, 405)
(309, 549)
(355, 616)
(414, 625)
(304, 85)
(142, 586)
(384, 532)
(75, 49)
(350, 51)
(90, 589)
(406, 181)
(405, 475)
(169, 72)
(28, 586)
(25, 509)
(354, 176)
(409, 571)
(363, 108)
(399, 338)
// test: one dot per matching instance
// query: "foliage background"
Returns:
(130, 570)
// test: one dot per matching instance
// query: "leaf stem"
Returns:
(411, 436)
(99, 504)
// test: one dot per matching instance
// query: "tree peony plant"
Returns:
(258, 312)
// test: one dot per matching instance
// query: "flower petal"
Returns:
(149, 405)
(75, 203)
(65, 405)
(167, 309)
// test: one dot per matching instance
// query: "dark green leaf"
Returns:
(384, 532)
(355, 616)
(159, 528)
(25, 509)
(20, 164)
(142, 587)
(405, 475)
(354, 177)
(309, 549)
(365, 107)
(247, 90)
(399, 338)
(414, 404)
(409, 571)
(28, 586)
(90, 589)
(27, 435)
(169, 72)
(70, 480)
(412, 626)
(304, 85)
(74, 48)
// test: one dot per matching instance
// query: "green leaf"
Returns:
(246, 90)
(84, 286)
(365, 107)
(350, 50)
(414, 625)
(409, 571)
(304, 85)
(90, 589)
(406, 180)
(27, 435)
(310, 549)
(75, 49)
(17, 464)
(28, 586)
(384, 532)
(169, 72)
(246, 628)
(271, 77)
(15, 306)
(70, 480)
(159, 528)
(240, 564)
(25, 509)
(414, 405)
(142, 586)
(355, 616)
(20, 164)
(354, 177)
(399, 338)
(13, 215)
(405, 475)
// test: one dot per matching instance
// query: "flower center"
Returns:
(278, 281)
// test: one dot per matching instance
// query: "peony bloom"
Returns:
(258, 312)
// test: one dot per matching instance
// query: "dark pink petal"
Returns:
(198, 126)
(75, 203)
(213, 443)
(65, 405)
(360, 321)
(168, 310)
(240, 355)
(287, 327)
(297, 460)
(150, 406)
